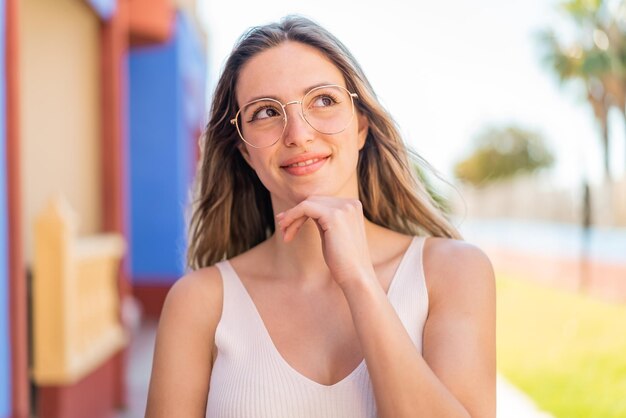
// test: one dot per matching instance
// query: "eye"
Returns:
(265, 112)
(324, 100)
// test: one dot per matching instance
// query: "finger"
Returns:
(307, 209)
(293, 228)
(282, 223)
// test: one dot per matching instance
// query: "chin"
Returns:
(296, 192)
(300, 194)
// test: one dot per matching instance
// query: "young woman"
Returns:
(315, 292)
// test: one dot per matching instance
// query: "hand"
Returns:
(341, 225)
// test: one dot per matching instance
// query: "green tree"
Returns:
(501, 153)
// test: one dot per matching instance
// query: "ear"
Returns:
(364, 126)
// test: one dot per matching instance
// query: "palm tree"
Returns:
(576, 63)
(597, 58)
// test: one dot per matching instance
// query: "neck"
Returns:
(301, 260)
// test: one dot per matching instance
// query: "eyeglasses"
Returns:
(327, 109)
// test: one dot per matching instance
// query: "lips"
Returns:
(303, 159)
(304, 164)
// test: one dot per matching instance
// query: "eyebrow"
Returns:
(304, 91)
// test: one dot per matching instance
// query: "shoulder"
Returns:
(184, 345)
(196, 294)
(456, 268)
(459, 333)
(193, 308)
(440, 251)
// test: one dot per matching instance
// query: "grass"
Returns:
(565, 350)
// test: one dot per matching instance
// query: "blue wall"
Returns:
(5, 344)
(163, 122)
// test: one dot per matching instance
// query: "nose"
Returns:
(297, 132)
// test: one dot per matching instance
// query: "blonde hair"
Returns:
(231, 210)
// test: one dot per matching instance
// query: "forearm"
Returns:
(404, 385)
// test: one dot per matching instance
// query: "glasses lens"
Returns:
(261, 122)
(329, 109)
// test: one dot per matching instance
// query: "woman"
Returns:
(332, 302)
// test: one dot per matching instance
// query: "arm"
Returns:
(181, 368)
(455, 376)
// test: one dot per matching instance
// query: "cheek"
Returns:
(352, 144)
(256, 159)
(262, 165)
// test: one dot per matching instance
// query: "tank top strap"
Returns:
(408, 293)
(239, 316)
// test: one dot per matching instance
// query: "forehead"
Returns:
(285, 72)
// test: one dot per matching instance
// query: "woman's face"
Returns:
(286, 72)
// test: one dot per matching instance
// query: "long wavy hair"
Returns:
(231, 210)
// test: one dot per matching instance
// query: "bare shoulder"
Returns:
(198, 292)
(193, 307)
(183, 352)
(454, 266)
(459, 334)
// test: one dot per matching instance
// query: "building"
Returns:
(101, 102)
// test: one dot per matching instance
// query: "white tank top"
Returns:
(250, 379)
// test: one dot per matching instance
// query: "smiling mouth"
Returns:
(305, 163)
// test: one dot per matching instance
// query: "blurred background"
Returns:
(520, 108)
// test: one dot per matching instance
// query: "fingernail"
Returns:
(280, 215)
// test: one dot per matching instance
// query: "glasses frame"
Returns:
(235, 122)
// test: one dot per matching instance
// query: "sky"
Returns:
(446, 71)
